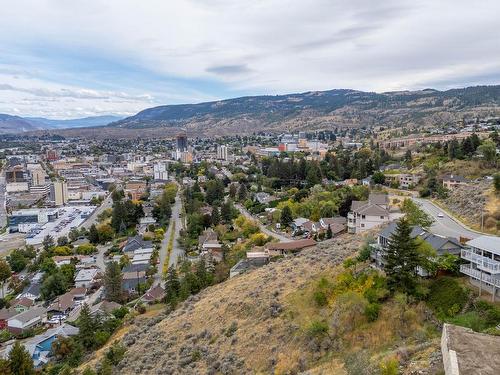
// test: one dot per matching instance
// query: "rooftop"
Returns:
(488, 243)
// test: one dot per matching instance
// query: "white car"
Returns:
(440, 215)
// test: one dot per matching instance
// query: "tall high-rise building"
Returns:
(182, 142)
(51, 155)
(59, 193)
(37, 177)
(160, 172)
(222, 152)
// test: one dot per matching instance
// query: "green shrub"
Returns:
(320, 298)
(446, 297)
(317, 328)
(389, 366)
(371, 311)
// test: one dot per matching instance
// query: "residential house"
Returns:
(284, 248)
(136, 243)
(450, 181)
(24, 321)
(104, 308)
(253, 260)
(337, 224)
(264, 198)
(141, 258)
(62, 304)
(6, 314)
(131, 280)
(40, 346)
(483, 255)
(154, 294)
(86, 278)
(441, 245)
(136, 268)
(368, 214)
(31, 292)
(22, 304)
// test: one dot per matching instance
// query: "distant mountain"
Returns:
(321, 110)
(17, 124)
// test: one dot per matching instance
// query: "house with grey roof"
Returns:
(441, 245)
(24, 321)
(483, 269)
(368, 214)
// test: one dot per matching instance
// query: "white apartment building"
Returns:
(160, 172)
(222, 153)
(483, 254)
(368, 214)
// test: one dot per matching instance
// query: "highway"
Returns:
(445, 226)
(262, 227)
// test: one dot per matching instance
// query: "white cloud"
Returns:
(208, 49)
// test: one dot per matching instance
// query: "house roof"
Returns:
(381, 199)
(135, 268)
(78, 291)
(133, 275)
(300, 221)
(154, 293)
(105, 307)
(62, 303)
(86, 274)
(7, 313)
(136, 242)
(372, 210)
(24, 301)
(488, 243)
(292, 245)
(333, 220)
(454, 177)
(30, 314)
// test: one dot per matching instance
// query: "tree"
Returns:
(62, 241)
(232, 191)
(242, 193)
(215, 217)
(378, 177)
(488, 150)
(105, 232)
(329, 233)
(87, 327)
(415, 215)
(5, 273)
(17, 260)
(402, 259)
(496, 182)
(113, 282)
(226, 211)
(118, 217)
(172, 286)
(53, 286)
(286, 216)
(48, 242)
(20, 360)
(93, 234)
(5, 367)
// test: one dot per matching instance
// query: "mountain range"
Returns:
(321, 110)
(18, 124)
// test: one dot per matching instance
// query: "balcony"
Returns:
(477, 274)
(486, 264)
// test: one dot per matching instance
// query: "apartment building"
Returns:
(368, 214)
(483, 255)
(59, 193)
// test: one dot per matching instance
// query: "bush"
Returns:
(371, 311)
(115, 354)
(446, 297)
(320, 299)
(389, 366)
(317, 328)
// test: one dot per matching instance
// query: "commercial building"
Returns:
(182, 142)
(59, 193)
(160, 172)
(222, 153)
(25, 220)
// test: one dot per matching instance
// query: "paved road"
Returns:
(3, 196)
(92, 219)
(263, 228)
(177, 251)
(445, 226)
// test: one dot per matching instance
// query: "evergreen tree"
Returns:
(215, 218)
(87, 327)
(232, 191)
(172, 286)
(226, 212)
(118, 216)
(286, 216)
(402, 259)
(93, 234)
(48, 242)
(329, 233)
(5, 273)
(202, 273)
(242, 193)
(20, 360)
(113, 282)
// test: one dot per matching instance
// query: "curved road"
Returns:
(447, 225)
(263, 228)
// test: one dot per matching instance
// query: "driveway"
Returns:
(262, 227)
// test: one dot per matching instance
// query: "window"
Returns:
(362, 225)
(382, 217)
(363, 216)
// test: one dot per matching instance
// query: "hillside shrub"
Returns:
(371, 311)
(446, 297)
(318, 328)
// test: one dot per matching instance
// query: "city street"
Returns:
(446, 225)
(92, 219)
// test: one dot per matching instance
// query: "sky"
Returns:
(68, 59)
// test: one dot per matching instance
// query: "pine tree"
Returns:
(113, 282)
(118, 216)
(20, 360)
(172, 286)
(48, 242)
(93, 234)
(232, 191)
(402, 259)
(87, 327)
(329, 233)
(202, 273)
(242, 193)
(215, 218)
(226, 212)
(5, 273)
(286, 216)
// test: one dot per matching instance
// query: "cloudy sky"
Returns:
(67, 59)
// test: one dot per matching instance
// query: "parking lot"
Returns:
(69, 217)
